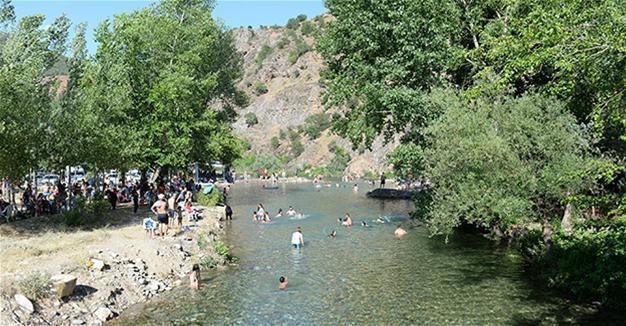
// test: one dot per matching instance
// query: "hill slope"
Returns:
(282, 78)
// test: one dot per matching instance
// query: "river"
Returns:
(363, 276)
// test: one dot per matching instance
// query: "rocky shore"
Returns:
(125, 268)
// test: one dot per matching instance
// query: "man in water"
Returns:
(159, 208)
(291, 211)
(399, 231)
(297, 240)
(355, 188)
(347, 221)
(282, 283)
(333, 234)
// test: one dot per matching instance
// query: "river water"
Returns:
(363, 276)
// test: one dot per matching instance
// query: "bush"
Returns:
(296, 145)
(211, 199)
(34, 285)
(339, 162)
(275, 142)
(221, 248)
(315, 124)
(284, 41)
(300, 49)
(253, 162)
(294, 23)
(282, 135)
(251, 119)
(307, 28)
(259, 87)
(266, 50)
(83, 213)
(588, 263)
(206, 262)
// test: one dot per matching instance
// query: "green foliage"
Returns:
(207, 262)
(251, 119)
(253, 162)
(203, 244)
(296, 144)
(381, 61)
(83, 213)
(284, 41)
(265, 51)
(211, 199)
(275, 142)
(34, 285)
(294, 23)
(315, 124)
(588, 263)
(282, 135)
(503, 163)
(300, 48)
(339, 162)
(221, 248)
(259, 87)
(307, 28)
(408, 161)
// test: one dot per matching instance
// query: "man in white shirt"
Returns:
(296, 238)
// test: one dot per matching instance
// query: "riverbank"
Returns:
(115, 265)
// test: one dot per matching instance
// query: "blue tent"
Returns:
(207, 189)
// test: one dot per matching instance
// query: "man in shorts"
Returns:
(296, 239)
(160, 209)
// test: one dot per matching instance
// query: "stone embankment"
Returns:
(114, 277)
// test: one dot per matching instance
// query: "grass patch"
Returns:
(34, 285)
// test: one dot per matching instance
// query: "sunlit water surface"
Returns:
(363, 276)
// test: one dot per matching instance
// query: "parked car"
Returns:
(77, 174)
(52, 179)
(112, 178)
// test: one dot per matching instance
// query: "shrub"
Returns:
(282, 135)
(251, 119)
(588, 263)
(340, 160)
(301, 17)
(259, 87)
(253, 162)
(293, 23)
(307, 28)
(275, 142)
(83, 213)
(206, 262)
(221, 248)
(211, 199)
(266, 50)
(300, 48)
(297, 148)
(315, 124)
(284, 41)
(34, 285)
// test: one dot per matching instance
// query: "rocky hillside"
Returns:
(282, 78)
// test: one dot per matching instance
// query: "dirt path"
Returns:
(136, 267)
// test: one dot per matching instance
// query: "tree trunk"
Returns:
(566, 221)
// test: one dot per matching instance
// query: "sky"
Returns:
(234, 13)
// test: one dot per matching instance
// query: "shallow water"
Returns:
(363, 276)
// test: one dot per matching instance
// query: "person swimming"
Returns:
(355, 188)
(333, 234)
(399, 231)
(291, 211)
(347, 221)
(280, 212)
(364, 224)
(282, 283)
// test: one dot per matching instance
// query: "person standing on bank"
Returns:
(382, 180)
(159, 208)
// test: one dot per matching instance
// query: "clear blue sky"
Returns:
(233, 13)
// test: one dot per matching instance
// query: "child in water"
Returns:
(194, 277)
(282, 283)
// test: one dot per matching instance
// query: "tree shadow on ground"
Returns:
(121, 217)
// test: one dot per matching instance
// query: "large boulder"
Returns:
(24, 303)
(387, 193)
(64, 284)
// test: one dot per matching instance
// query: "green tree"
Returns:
(495, 164)
(158, 72)
(28, 51)
(265, 51)
(259, 87)
(315, 124)
(251, 119)
(275, 142)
